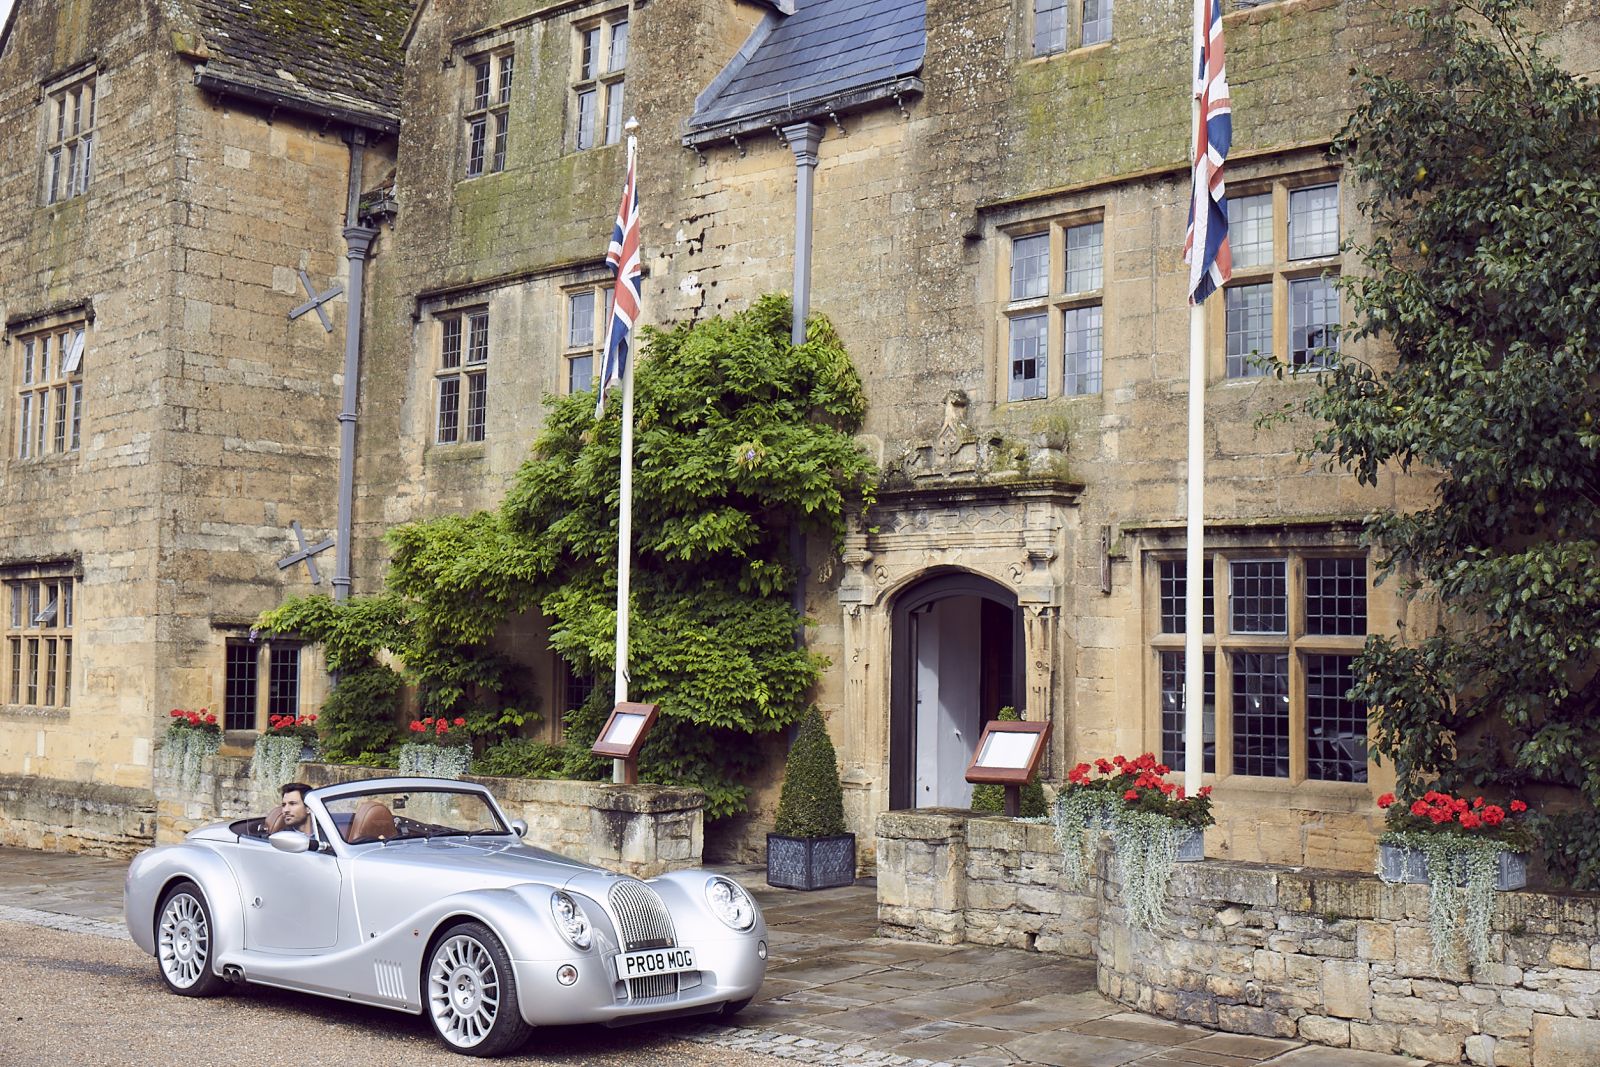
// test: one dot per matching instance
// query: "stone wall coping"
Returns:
(607, 796)
(94, 793)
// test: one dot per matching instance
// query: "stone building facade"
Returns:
(999, 205)
(169, 179)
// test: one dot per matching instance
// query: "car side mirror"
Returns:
(519, 827)
(290, 841)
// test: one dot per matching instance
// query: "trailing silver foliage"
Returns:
(435, 761)
(1079, 817)
(1145, 849)
(274, 763)
(1461, 890)
(185, 753)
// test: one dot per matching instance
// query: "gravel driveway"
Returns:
(73, 1000)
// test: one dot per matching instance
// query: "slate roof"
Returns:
(341, 59)
(828, 55)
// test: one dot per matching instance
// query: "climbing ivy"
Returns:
(1478, 158)
(740, 437)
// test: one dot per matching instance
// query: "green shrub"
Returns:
(812, 801)
(358, 718)
(522, 757)
(991, 799)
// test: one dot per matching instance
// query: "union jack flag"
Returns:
(1205, 247)
(623, 258)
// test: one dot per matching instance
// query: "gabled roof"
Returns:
(334, 59)
(830, 55)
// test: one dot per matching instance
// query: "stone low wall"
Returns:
(1336, 958)
(641, 829)
(62, 816)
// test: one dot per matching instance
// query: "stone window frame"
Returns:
(1072, 25)
(38, 660)
(461, 376)
(1275, 285)
(599, 76)
(71, 107)
(486, 111)
(582, 350)
(1221, 645)
(269, 676)
(49, 391)
(1056, 306)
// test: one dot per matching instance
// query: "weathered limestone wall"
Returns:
(1340, 959)
(88, 817)
(102, 257)
(640, 829)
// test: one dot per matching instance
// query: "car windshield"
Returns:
(411, 814)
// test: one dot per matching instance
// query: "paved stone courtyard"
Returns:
(836, 994)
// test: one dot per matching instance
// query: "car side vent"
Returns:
(642, 918)
(391, 982)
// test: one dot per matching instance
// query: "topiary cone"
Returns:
(812, 801)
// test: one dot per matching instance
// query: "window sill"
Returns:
(1309, 793)
(438, 453)
(29, 713)
(1071, 53)
(51, 462)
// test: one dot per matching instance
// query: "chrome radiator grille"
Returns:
(642, 919)
(656, 985)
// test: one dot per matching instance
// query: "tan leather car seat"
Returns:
(373, 822)
(274, 820)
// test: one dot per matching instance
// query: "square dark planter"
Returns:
(811, 862)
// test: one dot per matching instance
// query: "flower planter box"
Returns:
(1191, 845)
(811, 862)
(1398, 864)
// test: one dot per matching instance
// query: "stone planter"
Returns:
(1398, 864)
(1191, 845)
(811, 862)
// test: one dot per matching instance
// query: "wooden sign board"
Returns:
(1008, 753)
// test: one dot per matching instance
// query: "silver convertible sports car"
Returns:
(418, 894)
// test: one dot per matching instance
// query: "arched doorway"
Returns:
(956, 653)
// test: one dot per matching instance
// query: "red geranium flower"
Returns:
(1102, 766)
(1493, 815)
(1518, 807)
(461, 722)
(1132, 794)
(1419, 807)
(1205, 790)
(1385, 800)
(1119, 760)
(1470, 821)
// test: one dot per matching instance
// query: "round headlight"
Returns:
(570, 919)
(730, 903)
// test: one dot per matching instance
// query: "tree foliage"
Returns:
(740, 437)
(1480, 164)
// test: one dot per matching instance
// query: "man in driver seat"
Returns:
(292, 814)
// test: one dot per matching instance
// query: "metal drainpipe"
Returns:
(358, 242)
(803, 139)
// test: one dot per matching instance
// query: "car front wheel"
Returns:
(472, 993)
(184, 943)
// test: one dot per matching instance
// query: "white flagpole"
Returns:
(1194, 577)
(625, 511)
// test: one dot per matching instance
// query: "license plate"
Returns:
(655, 961)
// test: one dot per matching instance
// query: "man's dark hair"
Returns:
(295, 787)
